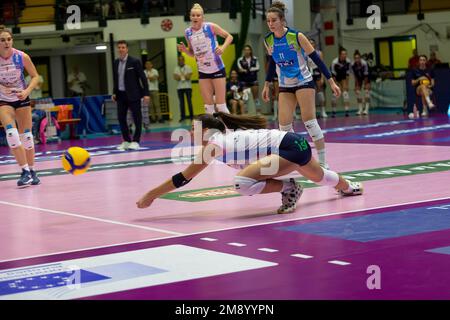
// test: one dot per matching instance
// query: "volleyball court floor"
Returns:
(82, 237)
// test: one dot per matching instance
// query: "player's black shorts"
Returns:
(16, 104)
(215, 75)
(307, 85)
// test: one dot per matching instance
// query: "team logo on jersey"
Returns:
(287, 63)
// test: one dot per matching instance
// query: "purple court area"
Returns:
(327, 249)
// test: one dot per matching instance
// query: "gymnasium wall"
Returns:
(357, 36)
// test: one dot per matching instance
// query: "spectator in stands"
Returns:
(182, 74)
(414, 60)
(77, 82)
(153, 87)
(118, 8)
(235, 93)
(433, 60)
(130, 86)
(248, 67)
(102, 8)
(423, 81)
(37, 91)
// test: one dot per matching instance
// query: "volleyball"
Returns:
(76, 160)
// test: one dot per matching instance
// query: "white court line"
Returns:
(339, 263)
(91, 218)
(268, 250)
(217, 230)
(236, 244)
(301, 256)
(208, 239)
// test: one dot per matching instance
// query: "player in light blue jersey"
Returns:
(290, 51)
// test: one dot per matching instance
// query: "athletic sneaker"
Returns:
(290, 197)
(356, 189)
(359, 112)
(123, 146)
(134, 146)
(324, 114)
(347, 114)
(25, 179)
(333, 114)
(35, 178)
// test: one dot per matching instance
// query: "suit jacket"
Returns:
(135, 81)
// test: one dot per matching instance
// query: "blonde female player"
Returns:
(290, 50)
(203, 45)
(15, 105)
(249, 142)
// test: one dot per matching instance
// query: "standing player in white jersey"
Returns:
(290, 50)
(203, 45)
(266, 154)
(15, 106)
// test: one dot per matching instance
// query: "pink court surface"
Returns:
(206, 242)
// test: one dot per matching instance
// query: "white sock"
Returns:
(287, 185)
(209, 108)
(222, 107)
(360, 106)
(428, 100)
(26, 167)
(288, 128)
(321, 155)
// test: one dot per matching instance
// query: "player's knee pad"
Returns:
(314, 130)
(330, 178)
(222, 107)
(27, 139)
(288, 127)
(320, 97)
(12, 137)
(248, 186)
(209, 108)
(346, 96)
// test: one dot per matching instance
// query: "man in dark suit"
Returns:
(130, 85)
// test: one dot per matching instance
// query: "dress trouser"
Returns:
(188, 93)
(122, 108)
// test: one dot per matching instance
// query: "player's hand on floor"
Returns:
(145, 202)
